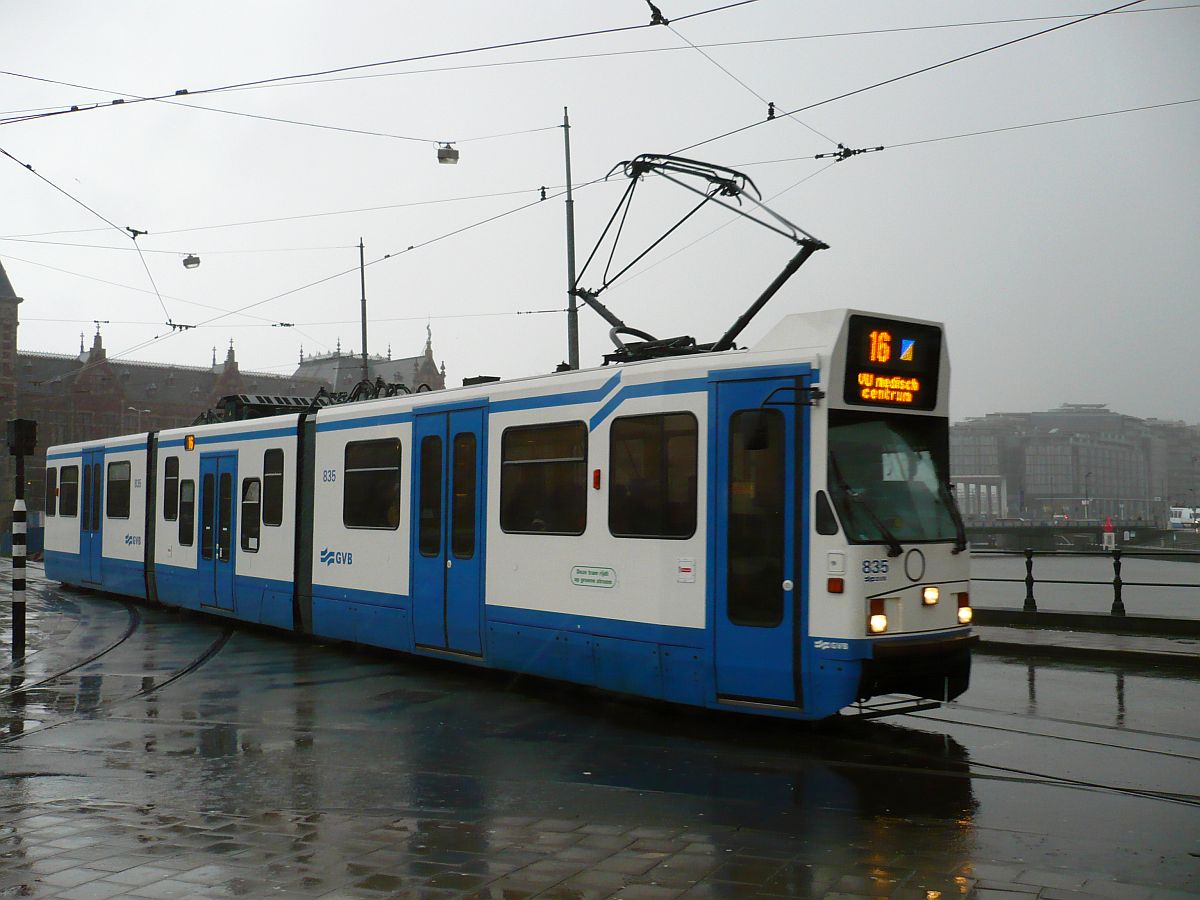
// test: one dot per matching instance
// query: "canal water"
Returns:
(1146, 589)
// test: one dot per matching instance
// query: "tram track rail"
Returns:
(1119, 729)
(214, 647)
(1015, 775)
(998, 772)
(1059, 737)
(135, 622)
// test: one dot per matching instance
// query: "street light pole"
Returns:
(362, 277)
(572, 308)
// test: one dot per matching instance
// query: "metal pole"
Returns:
(572, 307)
(362, 277)
(18, 563)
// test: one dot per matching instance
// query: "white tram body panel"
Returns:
(240, 561)
(96, 535)
(768, 530)
(595, 574)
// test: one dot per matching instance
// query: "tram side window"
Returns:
(371, 487)
(652, 476)
(251, 513)
(68, 492)
(51, 490)
(117, 506)
(171, 488)
(187, 512)
(272, 501)
(543, 479)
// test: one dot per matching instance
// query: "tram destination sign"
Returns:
(892, 363)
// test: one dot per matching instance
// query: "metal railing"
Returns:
(1117, 583)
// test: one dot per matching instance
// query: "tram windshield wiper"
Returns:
(894, 548)
(960, 529)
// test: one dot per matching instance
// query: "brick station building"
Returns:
(85, 396)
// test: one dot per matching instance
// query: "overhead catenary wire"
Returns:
(175, 95)
(986, 131)
(317, 215)
(297, 325)
(921, 71)
(299, 81)
(23, 240)
(132, 233)
(866, 32)
(127, 97)
(118, 284)
(324, 280)
(759, 96)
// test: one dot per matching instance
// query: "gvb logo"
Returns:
(336, 557)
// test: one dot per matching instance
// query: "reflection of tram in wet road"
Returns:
(1049, 772)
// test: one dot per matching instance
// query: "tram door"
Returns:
(447, 567)
(218, 525)
(91, 516)
(756, 572)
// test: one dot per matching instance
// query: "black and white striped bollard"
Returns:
(22, 441)
(18, 570)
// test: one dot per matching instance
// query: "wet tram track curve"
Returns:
(133, 624)
(214, 647)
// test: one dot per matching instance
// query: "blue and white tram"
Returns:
(768, 530)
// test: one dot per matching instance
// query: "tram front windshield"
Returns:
(889, 477)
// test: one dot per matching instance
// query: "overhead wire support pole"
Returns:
(362, 277)
(572, 299)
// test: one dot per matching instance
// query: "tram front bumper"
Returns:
(935, 668)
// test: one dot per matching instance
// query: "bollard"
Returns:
(1030, 602)
(22, 440)
(18, 570)
(1118, 605)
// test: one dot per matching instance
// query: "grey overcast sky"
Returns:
(1062, 257)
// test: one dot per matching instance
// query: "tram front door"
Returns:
(757, 574)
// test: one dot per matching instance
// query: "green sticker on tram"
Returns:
(593, 576)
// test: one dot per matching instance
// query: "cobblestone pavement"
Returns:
(87, 850)
(148, 754)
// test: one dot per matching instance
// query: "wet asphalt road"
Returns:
(213, 760)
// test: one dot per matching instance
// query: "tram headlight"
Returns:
(964, 608)
(877, 622)
(930, 595)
